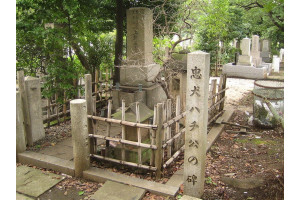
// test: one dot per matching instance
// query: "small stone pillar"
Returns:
(196, 123)
(20, 128)
(80, 137)
(34, 103)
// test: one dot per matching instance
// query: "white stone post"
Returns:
(20, 126)
(196, 122)
(34, 103)
(80, 137)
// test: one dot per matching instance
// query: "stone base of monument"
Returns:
(150, 96)
(243, 71)
(133, 75)
(245, 60)
(131, 154)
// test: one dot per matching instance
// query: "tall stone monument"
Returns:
(265, 51)
(255, 53)
(245, 58)
(139, 70)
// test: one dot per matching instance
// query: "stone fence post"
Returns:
(80, 137)
(20, 126)
(196, 123)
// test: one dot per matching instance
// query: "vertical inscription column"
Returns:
(196, 122)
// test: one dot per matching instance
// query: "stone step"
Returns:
(115, 191)
(101, 175)
(46, 161)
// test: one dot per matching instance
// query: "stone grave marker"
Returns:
(196, 122)
(265, 53)
(255, 53)
(245, 58)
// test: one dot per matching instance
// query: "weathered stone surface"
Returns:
(22, 197)
(116, 191)
(80, 137)
(186, 197)
(139, 36)
(101, 175)
(48, 162)
(265, 46)
(276, 63)
(156, 95)
(255, 51)
(63, 150)
(245, 60)
(245, 46)
(245, 71)
(33, 90)
(196, 122)
(133, 75)
(34, 182)
(20, 128)
(248, 183)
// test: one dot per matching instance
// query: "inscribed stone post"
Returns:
(196, 122)
(34, 103)
(275, 63)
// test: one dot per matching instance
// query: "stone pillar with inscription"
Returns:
(255, 53)
(245, 58)
(196, 122)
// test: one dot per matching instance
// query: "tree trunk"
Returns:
(119, 39)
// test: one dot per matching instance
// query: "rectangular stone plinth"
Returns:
(133, 75)
(245, 60)
(245, 71)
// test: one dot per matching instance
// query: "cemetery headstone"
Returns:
(276, 63)
(245, 58)
(255, 53)
(265, 53)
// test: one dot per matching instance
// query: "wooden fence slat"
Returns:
(158, 140)
(48, 112)
(169, 112)
(138, 120)
(152, 137)
(57, 107)
(177, 142)
(89, 108)
(223, 86)
(123, 129)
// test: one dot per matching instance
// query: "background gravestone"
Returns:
(265, 53)
(255, 53)
(245, 58)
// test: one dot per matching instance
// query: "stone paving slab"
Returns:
(116, 191)
(48, 162)
(34, 182)
(63, 150)
(186, 197)
(22, 197)
(101, 175)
